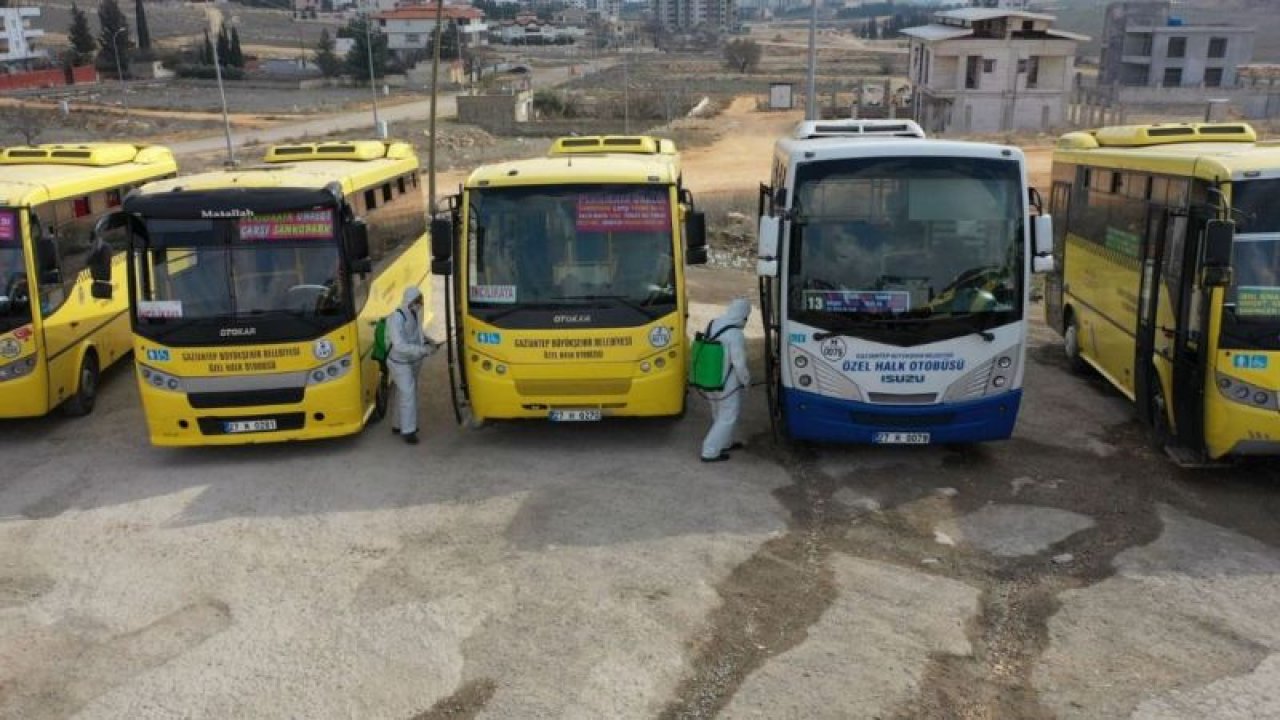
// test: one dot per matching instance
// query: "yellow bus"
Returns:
(1168, 252)
(254, 292)
(568, 299)
(56, 333)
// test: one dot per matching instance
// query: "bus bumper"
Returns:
(660, 394)
(26, 396)
(824, 419)
(325, 412)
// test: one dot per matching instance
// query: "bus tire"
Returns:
(1071, 344)
(1161, 433)
(86, 394)
(381, 396)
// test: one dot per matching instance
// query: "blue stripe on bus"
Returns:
(824, 419)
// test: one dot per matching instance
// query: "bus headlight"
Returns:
(17, 368)
(160, 380)
(330, 371)
(1238, 391)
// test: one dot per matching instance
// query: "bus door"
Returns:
(1059, 207)
(1145, 379)
(771, 314)
(1190, 346)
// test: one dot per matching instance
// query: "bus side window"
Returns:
(48, 265)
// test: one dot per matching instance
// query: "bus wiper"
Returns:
(517, 308)
(640, 307)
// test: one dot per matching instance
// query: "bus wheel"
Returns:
(380, 399)
(1160, 431)
(82, 402)
(1071, 344)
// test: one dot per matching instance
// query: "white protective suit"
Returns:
(408, 349)
(726, 404)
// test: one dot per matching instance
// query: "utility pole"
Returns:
(124, 89)
(431, 130)
(222, 93)
(373, 84)
(811, 91)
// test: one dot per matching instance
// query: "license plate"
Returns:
(575, 415)
(901, 438)
(244, 426)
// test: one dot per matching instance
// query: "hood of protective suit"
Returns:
(411, 294)
(737, 312)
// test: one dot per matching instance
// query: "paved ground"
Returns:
(600, 571)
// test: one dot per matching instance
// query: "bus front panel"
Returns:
(250, 393)
(851, 390)
(541, 373)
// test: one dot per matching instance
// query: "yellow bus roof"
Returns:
(1210, 151)
(40, 173)
(589, 160)
(370, 162)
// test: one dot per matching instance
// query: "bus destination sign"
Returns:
(633, 212)
(306, 225)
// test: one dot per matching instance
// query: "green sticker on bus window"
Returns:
(1123, 242)
(1254, 301)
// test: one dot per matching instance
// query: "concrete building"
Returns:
(16, 35)
(680, 16)
(1145, 45)
(978, 70)
(412, 27)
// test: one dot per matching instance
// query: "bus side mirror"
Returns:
(1042, 234)
(696, 237)
(1218, 238)
(357, 241)
(100, 270)
(441, 246)
(767, 246)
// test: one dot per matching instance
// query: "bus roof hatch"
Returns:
(632, 144)
(344, 150)
(858, 128)
(87, 154)
(1167, 133)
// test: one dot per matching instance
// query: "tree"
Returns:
(82, 43)
(326, 59)
(206, 52)
(144, 34)
(24, 120)
(224, 46)
(235, 57)
(113, 37)
(742, 55)
(358, 58)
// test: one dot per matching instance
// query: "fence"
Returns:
(49, 78)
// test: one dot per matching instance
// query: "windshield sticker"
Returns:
(310, 225)
(1255, 301)
(160, 309)
(1123, 242)
(1245, 361)
(623, 213)
(851, 301)
(500, 294)
(8, 227)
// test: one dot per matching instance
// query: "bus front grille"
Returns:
(574, 388)
(246, 398)
(884, 398)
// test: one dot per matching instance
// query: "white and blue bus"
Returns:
(894, 284)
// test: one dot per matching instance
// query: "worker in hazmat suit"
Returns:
(409, 347)
(727, 403)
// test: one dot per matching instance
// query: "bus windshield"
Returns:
(555, 247)
(285, 264)
(15, 304)
(1255, 290)
(879, 241)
